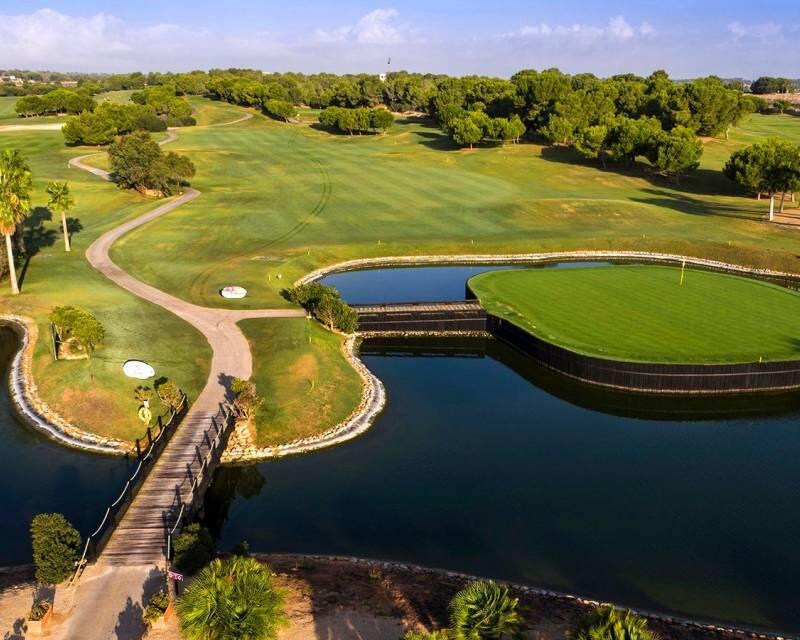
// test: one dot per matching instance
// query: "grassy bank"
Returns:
(644, 313)
(95, 394)
(307, 385)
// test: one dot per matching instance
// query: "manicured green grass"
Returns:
(643, 313)
(308, 387)
(94, 394)
(279, 200)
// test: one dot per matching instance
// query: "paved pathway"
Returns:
(114, 590)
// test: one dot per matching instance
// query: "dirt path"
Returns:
(50, 126)
(113, 592)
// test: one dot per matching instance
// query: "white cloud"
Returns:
(617, 28)
(764, 30)
(379, 26)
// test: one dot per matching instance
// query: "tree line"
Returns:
(358, 120)
(55, 102)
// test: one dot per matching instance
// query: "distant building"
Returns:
(69, 83)
(17, 82)
(382, 77)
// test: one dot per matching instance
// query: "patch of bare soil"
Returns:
(338, 599)
(17, 589)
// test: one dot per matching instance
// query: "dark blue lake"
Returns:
(486, 463)
(38, 476)
(420, 284)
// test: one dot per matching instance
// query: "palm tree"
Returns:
(15, 202)
(484, 611)
(61, 201)
(231, 600)
(609, 623)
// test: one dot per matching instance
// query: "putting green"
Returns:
(644, 313)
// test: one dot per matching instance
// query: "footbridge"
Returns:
(466, 316)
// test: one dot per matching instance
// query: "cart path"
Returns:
(124, 574)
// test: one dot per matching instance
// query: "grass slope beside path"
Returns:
(94, 395)
(307, 385)
(643, 313)
(280, 200)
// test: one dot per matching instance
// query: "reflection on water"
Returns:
(488, 464)
(37, 476)
(421, 284)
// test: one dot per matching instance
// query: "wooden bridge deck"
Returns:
(140, 537)
(422, 307)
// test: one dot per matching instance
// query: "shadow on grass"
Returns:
(702, 181)
(34, 236)
(684, 203)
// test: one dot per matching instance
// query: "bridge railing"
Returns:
(147, 456)
(217, 435)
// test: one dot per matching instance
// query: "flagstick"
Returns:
(683, 268)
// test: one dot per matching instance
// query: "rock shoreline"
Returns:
(35, 411)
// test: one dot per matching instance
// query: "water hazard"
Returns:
(486, 463)
(38, 476)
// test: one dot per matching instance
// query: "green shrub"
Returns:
(38, 611)
(231, 599)
(181, 121)
(56, 544)
(484, 611)
(247, 399)
(609, 623)
(326, 305)
(193, 548)
(280, 109)
(73, 324)
(150, 122)
(156, 607)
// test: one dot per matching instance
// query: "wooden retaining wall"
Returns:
(422, 317)
(651, 377)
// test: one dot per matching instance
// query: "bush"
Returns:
(326, 305)
(231, 599)
(138, 162)
(484, 610)
(609, 623)
(157, 606)
(280, 109)
(56, 544)
(150, 122)
(169, 394)
(75, 325)
(38, 611)
(193, 548)
(183, 121)
(307, 295)
(247, 399)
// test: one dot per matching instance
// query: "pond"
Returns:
(38, 476)
(483, 462)
(421, 284)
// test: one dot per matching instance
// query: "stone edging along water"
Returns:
(689, 623)
(36, 412)
(373, 397)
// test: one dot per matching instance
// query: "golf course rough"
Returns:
(642, 313)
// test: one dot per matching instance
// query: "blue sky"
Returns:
(687, 38)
